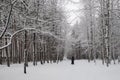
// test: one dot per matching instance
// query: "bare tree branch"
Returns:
(8, 19)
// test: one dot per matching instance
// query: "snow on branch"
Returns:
(6, 25)
(40, 20)
(8, 19)
(39, 31)
(74, 2)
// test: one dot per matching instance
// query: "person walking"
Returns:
(72, 60)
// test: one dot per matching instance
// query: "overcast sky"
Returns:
(71, 9)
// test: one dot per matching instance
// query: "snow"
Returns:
(82, 70)
(37, 30)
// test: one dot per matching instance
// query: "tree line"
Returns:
(42, 37)
(101, 23)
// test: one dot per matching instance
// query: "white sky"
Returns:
(71, 9)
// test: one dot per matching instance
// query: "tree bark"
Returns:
(7, 56)
(0, 51)
(25, 53)
(34, 52)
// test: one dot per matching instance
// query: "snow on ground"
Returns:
(82, 70)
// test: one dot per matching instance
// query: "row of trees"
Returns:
(37, 30)
(31, 30)
(101, 22)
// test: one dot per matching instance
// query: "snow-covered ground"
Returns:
(82, 70)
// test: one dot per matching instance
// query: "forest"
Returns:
(40, 31)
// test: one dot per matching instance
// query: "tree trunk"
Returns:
(25, 53)
(0, 51)
(7, 56)
(34, 52)
(107, 39)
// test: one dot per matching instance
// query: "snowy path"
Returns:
(82, 70)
